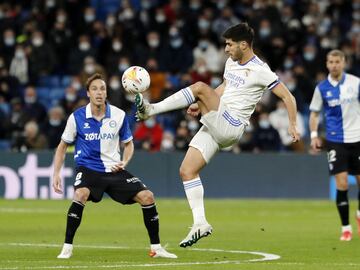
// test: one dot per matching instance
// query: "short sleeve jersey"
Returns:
(340, 101)
(245, 85)
(97, 143)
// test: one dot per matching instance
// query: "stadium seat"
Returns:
(5, 145)
(49, 81)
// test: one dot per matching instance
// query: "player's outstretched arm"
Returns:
(58, 163)
(282, 92)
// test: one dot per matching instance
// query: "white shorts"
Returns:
(219, 130)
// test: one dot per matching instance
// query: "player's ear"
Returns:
(243, 45)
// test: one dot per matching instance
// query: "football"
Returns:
(135, 79)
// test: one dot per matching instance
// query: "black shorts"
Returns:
(343, 157)
(121, 186)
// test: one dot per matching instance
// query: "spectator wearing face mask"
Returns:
(41, 58)
(54, 126)
(280, 121)
(68, 103)
(31, 139)
(200, 72)
(167, 142)
(207, 51)
(266, 138)
(158, 80)
(33, 109)
(19, 66)
(79, 53)
(90, 67)
(148, 135)
(151, 49)
(182, 137)
(117, 50)
(7, 46)
(116, 94)
(311, 59)
(177, 55)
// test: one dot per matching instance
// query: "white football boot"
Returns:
(157, 251)
(197, 232)
(66, 251)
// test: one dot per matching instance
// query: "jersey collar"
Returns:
(89, 114)
(334, 82)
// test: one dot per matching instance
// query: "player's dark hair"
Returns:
(92, 78)
(240, 32)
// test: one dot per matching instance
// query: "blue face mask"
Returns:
(176, 43)
(309, 56)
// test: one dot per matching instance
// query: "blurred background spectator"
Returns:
(48, 48)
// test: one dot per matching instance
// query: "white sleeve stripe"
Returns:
(67, 141)
(127, 140)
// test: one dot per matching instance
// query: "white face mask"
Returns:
(265, 124)
(309, 56)
(117, 46)
(193, 125)
(123, 67)
(37, 42)
(76, 85)
(30, 100)
(150, 123)
(160, 18)
(89, 17)
(176, 43)
(61, 18)
(55, 122)
(19, 54)
(201, 70)
(89, 68)
(84, 46)
(154, 43)
(167, 144)
(110, 21)
(115, 84)
(9, 41)
(70, 97)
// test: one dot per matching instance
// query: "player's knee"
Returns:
(199, 87)
(186, 173)
(81, 195)
(146, 197)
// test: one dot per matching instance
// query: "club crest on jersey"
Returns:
(328, 94)
(86, 125)
(112, 124)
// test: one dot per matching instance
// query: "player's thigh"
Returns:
(341, 180)
(82, 194)
(354, 159)
(337, 155)
(208, 97)
(90, 180)
(123, 187)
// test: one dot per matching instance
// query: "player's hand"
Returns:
(193, 110)
(118, 167)
(294, 133)
(57, 184)
(316, 144)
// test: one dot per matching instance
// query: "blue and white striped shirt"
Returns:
(97, 143)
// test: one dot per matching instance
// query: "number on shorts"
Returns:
(331, 155)
(78, 176)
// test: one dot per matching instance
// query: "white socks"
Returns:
(179, 100)
(346, 228)
(155, 246)
(195, 194)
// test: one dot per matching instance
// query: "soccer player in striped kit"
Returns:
(225, 112)
(338, 95)
(97, 131)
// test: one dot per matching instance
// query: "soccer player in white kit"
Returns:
(339, 96)
(225, 112)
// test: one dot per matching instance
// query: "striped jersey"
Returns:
(97, 143)
(340, 101)
(245, 85)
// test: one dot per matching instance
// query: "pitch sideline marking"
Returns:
(265, 257)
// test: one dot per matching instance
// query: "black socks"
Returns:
(73, 220)
(342, 204)
(151, 220)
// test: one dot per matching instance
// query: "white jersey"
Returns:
(245, 85)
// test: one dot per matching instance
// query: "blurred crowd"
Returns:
(48, 48)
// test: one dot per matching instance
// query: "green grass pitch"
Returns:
(112, 236)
